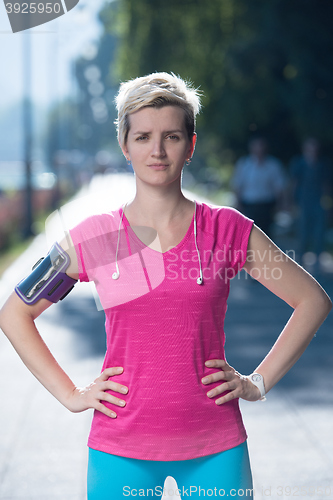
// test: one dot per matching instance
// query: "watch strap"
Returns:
(258, 380)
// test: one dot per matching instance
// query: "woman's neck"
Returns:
(157, 207)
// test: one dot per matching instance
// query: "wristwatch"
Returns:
(258, 380)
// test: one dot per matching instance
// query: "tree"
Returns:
(263, 66)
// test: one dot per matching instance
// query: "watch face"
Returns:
(256, 377)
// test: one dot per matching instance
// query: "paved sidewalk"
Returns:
(290, 434)
(43, 450)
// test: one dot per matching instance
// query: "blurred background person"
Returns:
(258, 182)
(312, 185)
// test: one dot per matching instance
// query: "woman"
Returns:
(162, 265)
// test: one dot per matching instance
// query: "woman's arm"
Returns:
(286, 279)
(289, 281)
(17, 320)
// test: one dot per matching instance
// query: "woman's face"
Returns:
(158, 144)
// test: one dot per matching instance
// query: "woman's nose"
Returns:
(158, 148)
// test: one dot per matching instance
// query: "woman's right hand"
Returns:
(17, 320)
(83, 398)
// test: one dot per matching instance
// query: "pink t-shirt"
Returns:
(162, 326)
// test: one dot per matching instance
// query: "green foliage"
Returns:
(85, 122)
(101, 125)
(263, 66)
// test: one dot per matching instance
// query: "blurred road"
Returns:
(43, 450)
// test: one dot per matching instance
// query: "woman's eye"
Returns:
(142, 138)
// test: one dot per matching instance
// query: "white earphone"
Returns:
(200, 279)
(116, 274)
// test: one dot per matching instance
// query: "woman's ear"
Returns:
(192, 146)
(124, 150)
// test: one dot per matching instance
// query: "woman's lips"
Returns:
(158, 166)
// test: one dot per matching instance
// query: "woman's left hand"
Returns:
(238, 385)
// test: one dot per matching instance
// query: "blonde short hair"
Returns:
(156, 90)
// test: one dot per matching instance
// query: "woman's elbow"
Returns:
(13, 312)
(323, 303)
(3, 319)
(4, 314)
(316, 300)
(328, 303)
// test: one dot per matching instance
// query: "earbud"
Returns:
(200, 279)
(116, 274)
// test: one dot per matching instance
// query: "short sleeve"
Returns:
(77, 234)
(94, 242)
(78, 246)
(234, 233)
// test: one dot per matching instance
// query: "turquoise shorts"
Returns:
(221, 475)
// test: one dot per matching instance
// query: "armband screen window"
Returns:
(48, 278)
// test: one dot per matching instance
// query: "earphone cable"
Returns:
(116, 274)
